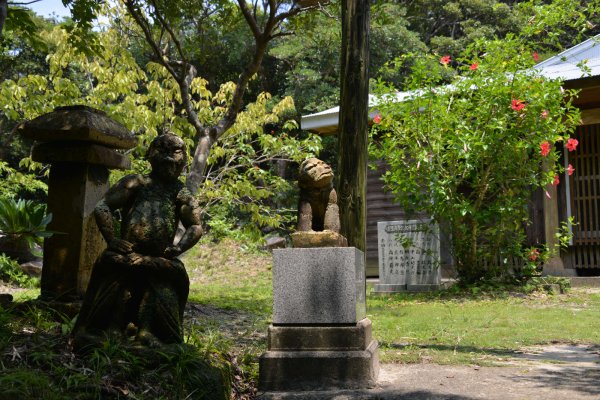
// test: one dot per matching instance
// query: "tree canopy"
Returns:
(201, 68)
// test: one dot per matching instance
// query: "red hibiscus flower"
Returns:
(445, 60)
(535, 56)
(377, 119)
(544, 148)
(533, 254)
(517, 105)
(556, 181)
(474, 66)
(572, 144)
(570, 170)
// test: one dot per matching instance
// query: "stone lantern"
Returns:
(79, 142)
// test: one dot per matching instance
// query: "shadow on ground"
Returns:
(583, 380)
(363, 395)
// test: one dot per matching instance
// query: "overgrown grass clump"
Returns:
(11, 273)
(226, 321)
(38, 362)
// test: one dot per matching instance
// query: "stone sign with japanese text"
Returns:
(409, 256)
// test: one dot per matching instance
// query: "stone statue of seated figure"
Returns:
(138, 288)
(318, 212)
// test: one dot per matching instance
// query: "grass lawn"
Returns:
(440, 327)
(480, 329)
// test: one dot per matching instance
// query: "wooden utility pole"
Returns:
(353, 124)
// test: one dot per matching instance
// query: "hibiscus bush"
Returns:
(476, 136)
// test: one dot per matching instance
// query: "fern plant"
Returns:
(22, 225)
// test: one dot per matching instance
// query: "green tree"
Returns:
(169, 30)
(558, 24)
(20, 55)
(146, 99)
(449, 26)
(471, 153)
(309, 61)
(14, 17)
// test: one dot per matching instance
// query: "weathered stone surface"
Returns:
(275, 242)
(383, 289)
(78, 142)
(326, 363)
(317, 207)
(138, 287)
(318, 286)
(78, 123)
(585, 281)
(69, 255)
(16, 248)
(32, 268)
(79, 152)
(320, 338)
(310, 239)
(409, 256)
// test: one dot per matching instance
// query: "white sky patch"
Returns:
(55, 8)
(50, 8)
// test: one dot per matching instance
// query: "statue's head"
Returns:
(314, 174)
(167, 155)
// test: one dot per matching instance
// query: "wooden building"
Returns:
(577, 195)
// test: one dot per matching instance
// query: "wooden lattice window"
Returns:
(584, 197)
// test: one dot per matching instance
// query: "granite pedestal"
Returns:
(320, 337)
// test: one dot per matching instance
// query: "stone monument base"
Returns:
(319, 357)
(312, 239)
(386, 288)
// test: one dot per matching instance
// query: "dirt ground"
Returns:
(557, 372)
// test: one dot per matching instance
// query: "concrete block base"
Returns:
(585, 281)
(386, 288)
(319, 358)
(557, 270)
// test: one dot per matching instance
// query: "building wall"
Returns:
(380, 207)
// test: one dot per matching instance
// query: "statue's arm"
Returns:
(116, 197)
(189, 215)
(332, 213)
(304, 216)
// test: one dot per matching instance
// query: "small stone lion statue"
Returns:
(318, 212)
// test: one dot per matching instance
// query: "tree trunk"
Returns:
(3, 14)
(195, 176)
(353, 124)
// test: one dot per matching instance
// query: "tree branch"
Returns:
(249, 19)
(23, 3)
(167, 27)
(145, 26)
(187, 72)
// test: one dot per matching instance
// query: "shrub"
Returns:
(471, 153)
